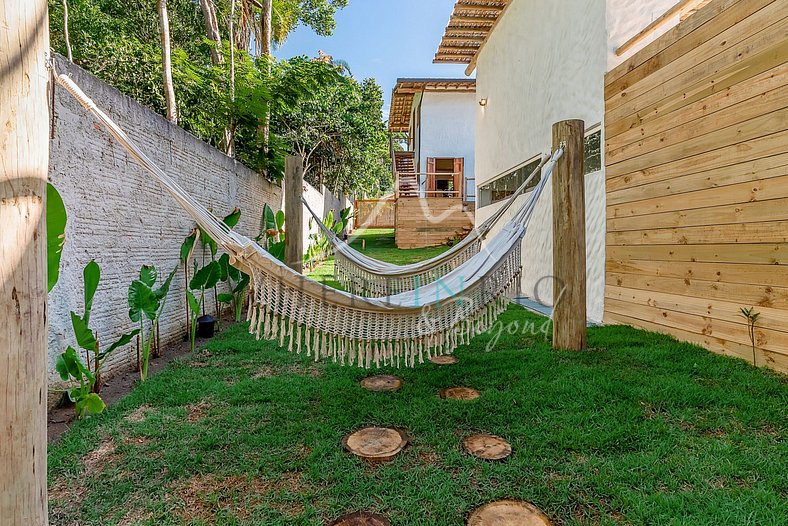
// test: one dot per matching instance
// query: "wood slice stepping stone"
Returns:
(376, 444)
(487, 447)
(459, 393)
(508, 513)
(381, 383)
(444, 359)
(361, 518)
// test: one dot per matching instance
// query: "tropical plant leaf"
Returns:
(142, 301)
(90, 404)
(164, 289)
(242, 283)
(56, 234)
(84, 335)
(225, 297)
(66, 364)
(207, 277)
(277, 250)
(232, 218)
(187, 247)
(280, 220)
(268, 220)
(91, 275)
(120, 342)
(194, 305)
(224, 267)
(148, 275)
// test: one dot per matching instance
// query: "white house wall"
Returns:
(544, 63)
(448, 122)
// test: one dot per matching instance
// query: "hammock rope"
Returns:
(366, 276)
(323, 322)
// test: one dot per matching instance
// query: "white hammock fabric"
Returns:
(366, 276)
(323, 322)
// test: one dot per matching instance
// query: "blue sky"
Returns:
(384, 39)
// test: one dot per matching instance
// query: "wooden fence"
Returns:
(375, 213)
(696, 145)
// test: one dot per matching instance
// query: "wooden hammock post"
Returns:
(24, 150)
(569, 238)
(294, 215)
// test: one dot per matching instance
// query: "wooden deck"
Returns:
(426, 222)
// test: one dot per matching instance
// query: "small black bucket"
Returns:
(206, 326)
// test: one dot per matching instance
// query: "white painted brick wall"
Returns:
(122, 218)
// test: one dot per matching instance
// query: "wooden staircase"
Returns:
(404, 163)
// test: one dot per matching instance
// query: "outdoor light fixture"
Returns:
(483, 102)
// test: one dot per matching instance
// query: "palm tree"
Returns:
(166, 62)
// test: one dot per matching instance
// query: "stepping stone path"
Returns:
(361, 518)
(508, 513)
(376, 444)
(444, 359)
(459, 393)
(487, 447)
(381, 383)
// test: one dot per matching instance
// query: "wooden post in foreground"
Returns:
(569, 238)
(294, 212)
(24, 162)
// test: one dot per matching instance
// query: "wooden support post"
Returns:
(24, 163)
(294, 214)
(569, 238)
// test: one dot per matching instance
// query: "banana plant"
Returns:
(69, 364)
(146, 303)
(238, 283)
(187, 251)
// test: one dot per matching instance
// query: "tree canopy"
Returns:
(316, 106)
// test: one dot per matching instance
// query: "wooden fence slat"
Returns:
(750, 17)
(659, 122)
(764, 125)
(774, 210)
(757, 295)
(746, 66)
(761, 232)
(749, 274)
(721, 157)
(750, 170)
(763, 253)
(705, 64)
(760, 105)
(746, 192)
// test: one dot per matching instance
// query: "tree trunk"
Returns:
(267, 38)
(65, 31)
(166, 62)
(212, 30)
(268, 31)
(24, 162)
(230, 146)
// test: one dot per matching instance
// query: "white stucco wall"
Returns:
(535, 71)
(546, 62)
(321, 202)
(448, 124)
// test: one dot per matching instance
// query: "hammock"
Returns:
(323, 322)
(366, 276)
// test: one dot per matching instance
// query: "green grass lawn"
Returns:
(377, 243)
(640, 429)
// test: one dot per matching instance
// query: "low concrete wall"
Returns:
(122, 218)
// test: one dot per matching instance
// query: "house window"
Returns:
(504, 186)
(593, 151)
